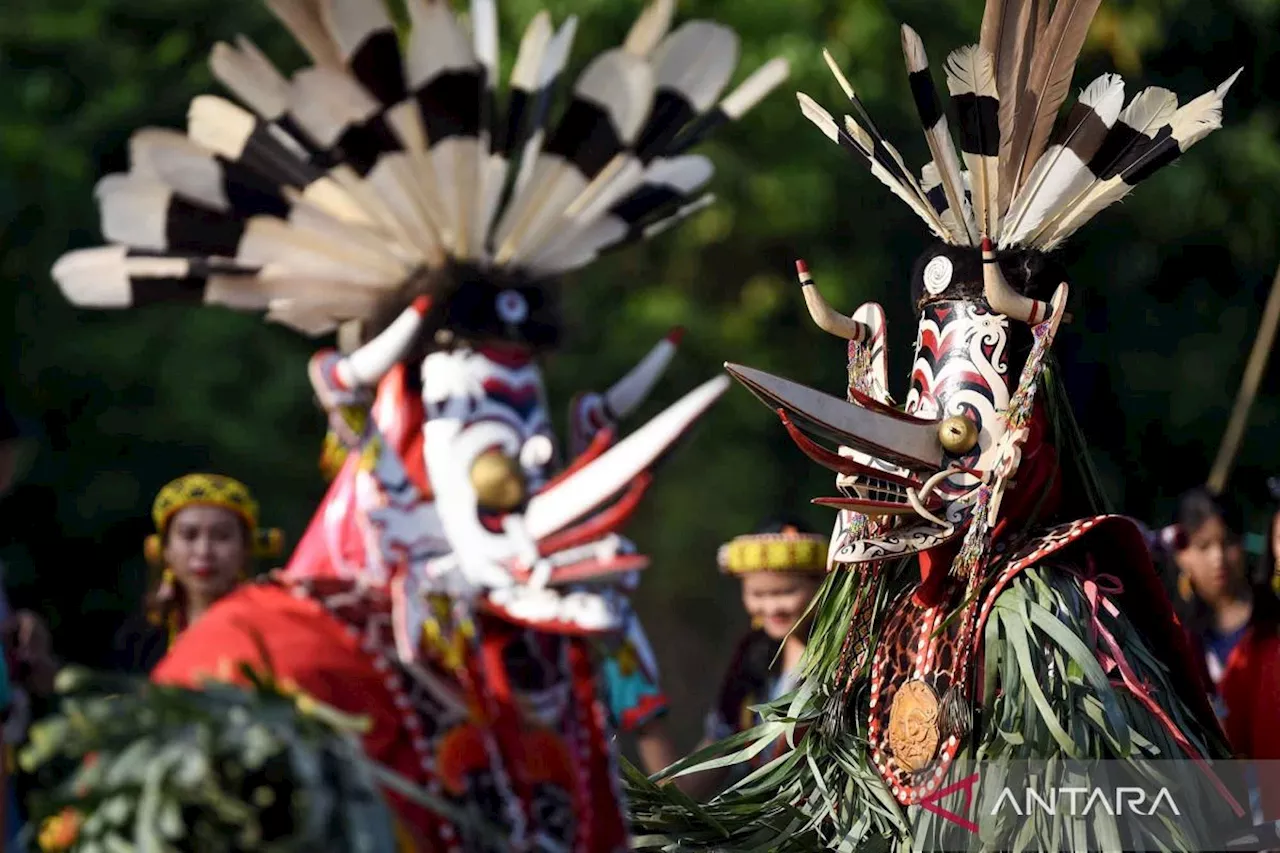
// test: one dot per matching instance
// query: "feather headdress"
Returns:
(1023, 185)
(388, 167)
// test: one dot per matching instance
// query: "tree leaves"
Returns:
(218, 769)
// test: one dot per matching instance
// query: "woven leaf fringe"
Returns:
(1045, 697)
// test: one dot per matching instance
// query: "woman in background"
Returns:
(1235, 624)
(206, 539)
(780, 568)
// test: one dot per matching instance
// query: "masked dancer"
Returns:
(452, 583)
(980, 606)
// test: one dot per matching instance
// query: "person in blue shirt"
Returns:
(637, 704)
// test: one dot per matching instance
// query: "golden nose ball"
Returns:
(499, 482)
(958, 435)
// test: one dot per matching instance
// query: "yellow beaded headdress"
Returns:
(788, 550)
(211, 490)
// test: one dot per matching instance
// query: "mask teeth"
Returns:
(872, 489)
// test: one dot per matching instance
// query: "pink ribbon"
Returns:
(1098, 589)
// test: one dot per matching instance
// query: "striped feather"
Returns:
(553, 65)
(203, 177)
(665, 185)
(1063, 171)
(869, 141)
(938, 136)
(1132, 131)
(388, 154)
(691, 68)
(515, 127)
(116, 277)
(862, 148)
(733, 106)
(448, 82)
(845, 85)
(235, 134)
(931, 186)
(145, 213)
(1147, 155)
(972, 83)
(612, 233)
(611, 101)
(885, 157)
(368, 46)
(120, 277)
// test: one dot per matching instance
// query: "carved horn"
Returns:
(827, 318)
(368, 364)
(1002, 298)
(630, 391)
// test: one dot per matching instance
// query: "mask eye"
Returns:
(499, 482)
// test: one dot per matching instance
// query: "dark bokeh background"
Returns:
(1167, 292)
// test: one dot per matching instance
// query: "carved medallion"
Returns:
(913, 725)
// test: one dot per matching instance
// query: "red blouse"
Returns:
(1249, 694)
(309, 646)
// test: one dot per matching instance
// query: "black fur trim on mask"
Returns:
(464, 307)
(1031, 273)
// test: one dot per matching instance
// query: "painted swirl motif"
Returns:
(904, 539)
(961, 368)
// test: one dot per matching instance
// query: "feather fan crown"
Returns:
(388, 161)
(1021, 178)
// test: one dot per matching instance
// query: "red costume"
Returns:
(1248, 691)
(452, 582)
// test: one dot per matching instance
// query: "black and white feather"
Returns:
(955, 208)
(1149, 135)
(971, 78)
(1063, 170)
(1021, 183)
(394, 153)
(884, 163)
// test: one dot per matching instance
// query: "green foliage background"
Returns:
(1167, 292)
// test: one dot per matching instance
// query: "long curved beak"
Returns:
(899, 439)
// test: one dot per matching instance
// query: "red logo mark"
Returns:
(930, 803)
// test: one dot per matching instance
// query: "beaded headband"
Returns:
(788, 551)
(213, 490)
